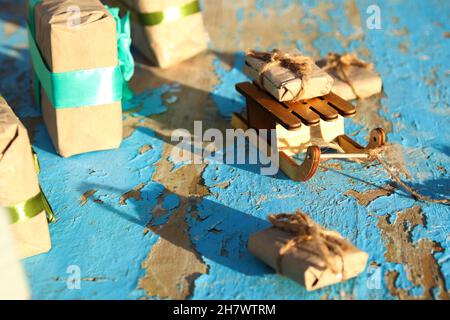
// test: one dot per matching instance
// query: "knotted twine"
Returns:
(326, 244)
(298, 64)
(342, 63)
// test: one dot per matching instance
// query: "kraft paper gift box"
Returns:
(20, 193)
(366, 82)
(77, 39)
(302, 263)
(285, 85)
(13, 283)
(166, 32)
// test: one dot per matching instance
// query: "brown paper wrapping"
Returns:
(301, 263)
(366, 82)
(67, 48)
(284, 85)
(19, 183)
(167, 43)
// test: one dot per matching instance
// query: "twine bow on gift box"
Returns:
(299, 64)
(325, 242)
(341, 65)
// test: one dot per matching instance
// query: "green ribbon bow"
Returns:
(84, 87)
(126, 61)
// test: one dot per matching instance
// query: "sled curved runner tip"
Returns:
(295, 171)
(377, 139)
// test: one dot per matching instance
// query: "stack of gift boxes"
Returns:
(80, 72)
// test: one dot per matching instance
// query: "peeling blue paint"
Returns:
(108, 240)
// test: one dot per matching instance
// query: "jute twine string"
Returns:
(324, 242)
(299, 64)
(375, 154)
(341, 64)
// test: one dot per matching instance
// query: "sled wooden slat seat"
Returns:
(292, 115)
(294, 132)
(344, 108)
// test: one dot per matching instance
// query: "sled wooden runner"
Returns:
(265, 112)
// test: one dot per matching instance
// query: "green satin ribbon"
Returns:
(158, 17)
(48, 209)
(26, 210)
(169, 14)
(85, 87)
(32, 207)
(126, 61)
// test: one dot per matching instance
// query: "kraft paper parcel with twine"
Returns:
(19, 183)
(66, 47)
(284, 84)
(166, 32)
(353, 78)
(306, 252)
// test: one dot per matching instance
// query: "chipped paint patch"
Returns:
(173, 264)
(366, 197)
(85, 196)
(416, 257)
(222, 185)
(166, 276)
(145, 148)
(132, 194)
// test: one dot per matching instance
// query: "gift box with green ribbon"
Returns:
(20, 193)
(166, 32)
(81, 59)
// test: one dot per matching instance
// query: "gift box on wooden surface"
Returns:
(13, 283)
(353, 78)
(306, 252)
(287, 75)
(20, 194)
(81, 61)
(166, 31)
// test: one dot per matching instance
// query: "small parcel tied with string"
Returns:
(81, 68)
(288, 76)
(166, 32)
(20, 195)
(353, 77)
(299, 248)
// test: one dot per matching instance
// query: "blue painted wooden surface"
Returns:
(108, 241)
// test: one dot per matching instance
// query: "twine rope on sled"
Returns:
(299, 64)
(375, 154)
(326, 243)
(341, 64)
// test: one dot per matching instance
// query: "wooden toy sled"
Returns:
(304, 127)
